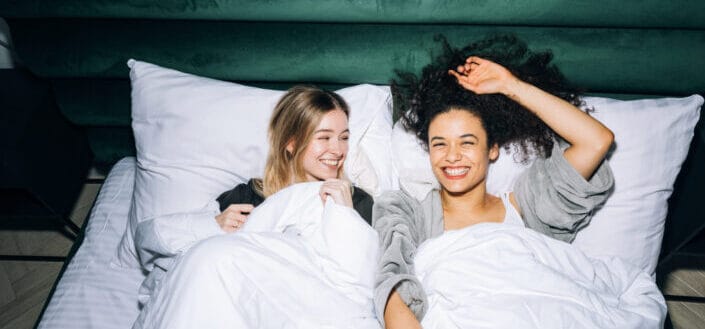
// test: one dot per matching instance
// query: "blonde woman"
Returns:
(308, 140)
(308, 137)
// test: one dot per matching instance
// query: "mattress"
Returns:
(92, 292)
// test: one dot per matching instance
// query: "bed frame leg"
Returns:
(22, 258)
(73, 228)
(685, 299)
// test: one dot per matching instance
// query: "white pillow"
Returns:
(198, 137)
(652, 138)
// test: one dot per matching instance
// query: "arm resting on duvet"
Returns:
(556, 200)
(395, 217)
(158, 240)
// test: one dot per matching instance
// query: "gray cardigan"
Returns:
(554, 200)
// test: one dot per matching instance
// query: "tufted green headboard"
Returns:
(624, 47)
(621, 48)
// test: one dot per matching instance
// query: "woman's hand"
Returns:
(338, 189)
(482, 76)
(233, 217)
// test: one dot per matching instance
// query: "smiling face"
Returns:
(325, 153)
(459, 154)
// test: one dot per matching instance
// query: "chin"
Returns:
(452, 190)
(457, 187)
(327, 175)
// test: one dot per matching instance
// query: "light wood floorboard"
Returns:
(687, 315)
(25, 285)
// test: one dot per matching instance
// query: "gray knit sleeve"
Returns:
(397, 218)
(556, 200)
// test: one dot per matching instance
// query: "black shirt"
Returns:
(247, 193)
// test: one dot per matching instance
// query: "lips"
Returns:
(455, 172)
(330, 162)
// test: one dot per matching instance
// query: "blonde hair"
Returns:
(294, 119)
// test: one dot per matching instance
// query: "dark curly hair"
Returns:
(419, 100)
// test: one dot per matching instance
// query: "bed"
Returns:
(627, 50)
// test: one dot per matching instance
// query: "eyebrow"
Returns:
(330, 131)
(461, 136)
(435, 138)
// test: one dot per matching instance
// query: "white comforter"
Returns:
(501, 276)
(297, 263)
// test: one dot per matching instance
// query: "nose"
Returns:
(337, 146)
(453, 154)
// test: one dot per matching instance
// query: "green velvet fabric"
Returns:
(603, 60)
(94, 102)
(630, 47)
(106, 102)
(623, 13)
(110, 144)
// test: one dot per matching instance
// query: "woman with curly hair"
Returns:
(463, 108)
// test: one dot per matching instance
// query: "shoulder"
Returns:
(556, 174)
(400, 212)
(363, 203)
(359, 195)
(241, 193)
(395, 197)
(396, 202)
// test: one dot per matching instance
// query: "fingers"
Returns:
(464, 80)
(476, 60)
(241, 207)
(456, 75)
(233, 217)
(230, 222)
(471, 63)
(339, 190)
(470, 72)
(482, 76)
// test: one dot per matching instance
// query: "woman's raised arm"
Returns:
(589, 140)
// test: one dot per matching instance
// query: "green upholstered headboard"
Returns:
(629, 47)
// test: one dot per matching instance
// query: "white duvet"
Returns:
(300, 263)
(297, 263)
(502, 276)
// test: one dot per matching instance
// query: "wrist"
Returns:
(513, 88)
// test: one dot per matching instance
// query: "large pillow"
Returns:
(198, 137)
(652, 137)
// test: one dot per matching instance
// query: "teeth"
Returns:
(330, 162)
(456, 171)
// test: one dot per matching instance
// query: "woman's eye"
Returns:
(324, 138)
(344, 138)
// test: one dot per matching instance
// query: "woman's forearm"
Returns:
(398, 315)
(589, 139)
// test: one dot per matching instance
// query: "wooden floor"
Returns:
(25, 286)
(685, 277)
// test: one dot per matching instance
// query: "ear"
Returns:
(494, 152)
(290, 146)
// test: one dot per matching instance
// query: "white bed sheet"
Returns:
(92, 293)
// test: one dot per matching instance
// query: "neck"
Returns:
(467, 202)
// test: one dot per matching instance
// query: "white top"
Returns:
(511, 215)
